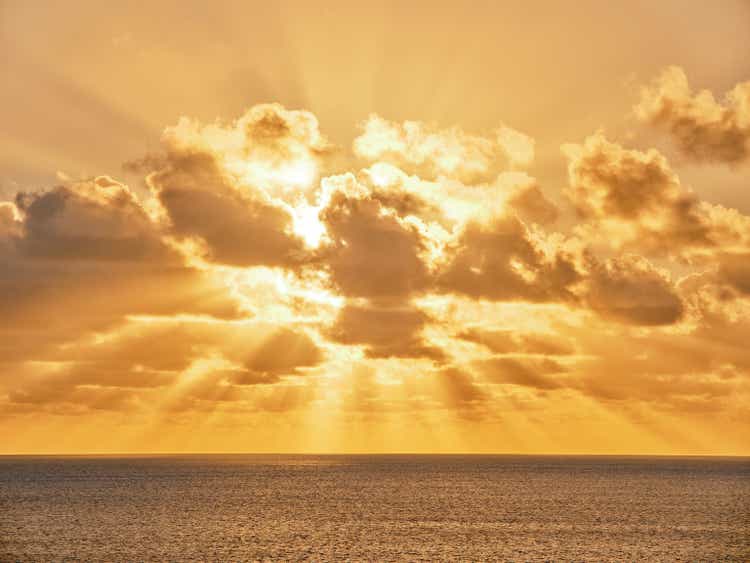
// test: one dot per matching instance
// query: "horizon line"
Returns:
(400, 453)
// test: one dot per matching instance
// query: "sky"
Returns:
(513, 227)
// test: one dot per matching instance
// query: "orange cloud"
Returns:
(705, 129)
(260, 271)
(450, 153)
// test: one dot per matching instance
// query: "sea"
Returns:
(374, 508)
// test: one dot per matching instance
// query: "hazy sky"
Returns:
(391, 226)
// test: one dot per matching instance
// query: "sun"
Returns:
(307, 224)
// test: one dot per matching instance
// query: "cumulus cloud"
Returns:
(375, 253)
(631, 289)
(633, 200)
(501, 261)
(243, 228)
(634, 195)
(242, 188)
(269, 148)
(704, 129)
(431, 152)
(636, 200)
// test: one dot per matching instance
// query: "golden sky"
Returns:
(375, 227)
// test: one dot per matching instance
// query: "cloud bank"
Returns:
(261, 269)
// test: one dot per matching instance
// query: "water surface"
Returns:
(247, 507)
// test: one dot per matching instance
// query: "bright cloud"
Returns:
(266, 276)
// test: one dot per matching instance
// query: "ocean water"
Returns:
(375, 508)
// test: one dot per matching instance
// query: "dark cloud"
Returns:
(500, 261)
(386, 329)
(734, 269)
(282, 353)
(78, 259)
(635, 195)
(99, 220)
(404, 203)
(84, 256)
(239, 228)
(375, 254)
(704, 129)
(532, 206)
(284, 132)
(631, 290)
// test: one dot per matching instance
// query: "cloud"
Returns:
(97, 220)
(633, 195)
(375, 253)
(239, 187)
(501, 261)
(734, 269)
(704, 129)
(531, 205)
(193, 358)
(706, 370)
(449, 153)
(269, 148)
(282, 353)
(462, 390)
(80, 257)
(633, 200)
(242, 228)
(257, 270)
(386, 329)
(630, 289)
